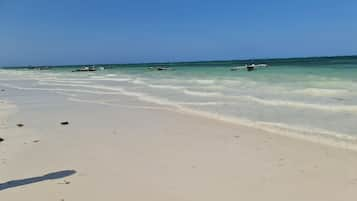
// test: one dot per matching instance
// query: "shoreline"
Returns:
(324, 137)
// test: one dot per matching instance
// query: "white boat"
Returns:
(85, 69)
(259, 65)
(92, 68)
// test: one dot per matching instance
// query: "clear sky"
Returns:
(45, 32)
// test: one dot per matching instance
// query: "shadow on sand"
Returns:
(22, 182)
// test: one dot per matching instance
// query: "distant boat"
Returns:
(38, 68)
(92, 68)
(249, 67)
(163, 68)
(160, 68)
(260, 65)
(85, 69)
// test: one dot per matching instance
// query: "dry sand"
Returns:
(148, 154)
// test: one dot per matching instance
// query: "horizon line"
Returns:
(187, 61)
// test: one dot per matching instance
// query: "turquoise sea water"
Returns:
(307, 97)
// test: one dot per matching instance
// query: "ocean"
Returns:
(312, 98)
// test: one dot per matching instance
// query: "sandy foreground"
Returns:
(142, 152)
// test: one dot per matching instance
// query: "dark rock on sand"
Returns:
(36, 141)
(1, 139)
(19, 125)
(2, 89)
(64, 123)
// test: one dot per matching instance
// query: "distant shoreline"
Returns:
(252, 60)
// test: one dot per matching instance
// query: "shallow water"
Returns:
(314, 96)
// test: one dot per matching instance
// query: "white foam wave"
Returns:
(201, 103)
(321, 92)
(200, 81)
(271, 102)
(111, 75)
(115, 79)
(97, 77)
(165, 86)
(202, 94)
(60, 89)
(42, 81)
(316, 135)
(67, 94)
(138, 81)
(295, 104)
(312, 134)
(103, 102)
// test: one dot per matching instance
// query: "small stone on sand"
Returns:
(19, 125)
(64, 123)
(36, 141)
(64, 182)
(1, 139)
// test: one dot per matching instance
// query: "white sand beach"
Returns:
(141, 151)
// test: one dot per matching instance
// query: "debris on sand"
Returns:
(2, 89)
(64, 123)
(36, 141)
(65, 182)
(19, 125)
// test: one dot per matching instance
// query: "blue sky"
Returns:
(44, 32)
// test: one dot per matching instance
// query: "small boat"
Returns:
(92, 68)
(85, 69)
(162, 68)
(260, 65)
(159, 68)
(249, 67)
(44, 68)
(38, 68)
